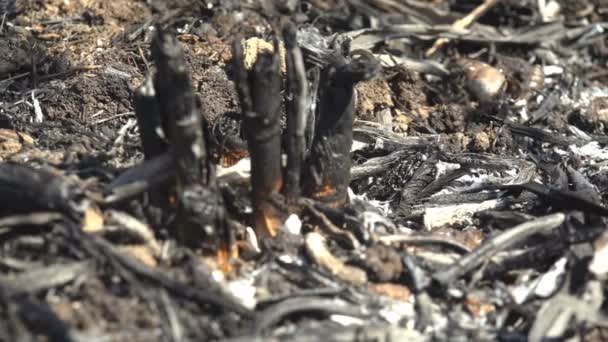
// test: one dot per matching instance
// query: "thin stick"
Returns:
(462, 23)
(496, 244)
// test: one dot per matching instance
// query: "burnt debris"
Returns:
(303, 170)
(327, 171)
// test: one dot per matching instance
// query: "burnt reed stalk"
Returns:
(297, 110)
(200, 214)
(181, 119)
(260, 94)
(326, 176)
(263, 132)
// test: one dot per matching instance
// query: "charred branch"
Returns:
(200, 210)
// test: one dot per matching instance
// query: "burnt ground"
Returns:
(68, 73)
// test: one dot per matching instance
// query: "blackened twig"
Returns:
(422, 177)
(495, 244)
(372, 332)
(423, 239)
(36, 315)
(100, 248)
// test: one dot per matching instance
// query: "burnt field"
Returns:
(303, 170)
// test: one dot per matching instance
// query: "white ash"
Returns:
(292, 225)
(599, 263)
(443, 168)
(287, 259)
(523, 113)
(587, 96)
(381, 206)
(242, 169)
(552, 70)
(396, 311)
(347, 320)
(243, 290)
(552, 280)
(358, 145)
(476, 178)
(38, 117)
(252, 238)
(461, 214)
(591, 150)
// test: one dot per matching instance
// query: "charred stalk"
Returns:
(199, 205)
(327, 175)
(259, 91)
(297, 113)
(263, 134)
(182, 121)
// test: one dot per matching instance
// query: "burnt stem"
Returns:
(200, 216)
(327, 175)
(182, 120)
(259, 92)
(297, 113)
(263, 133)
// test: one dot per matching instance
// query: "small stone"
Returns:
(483, 81)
